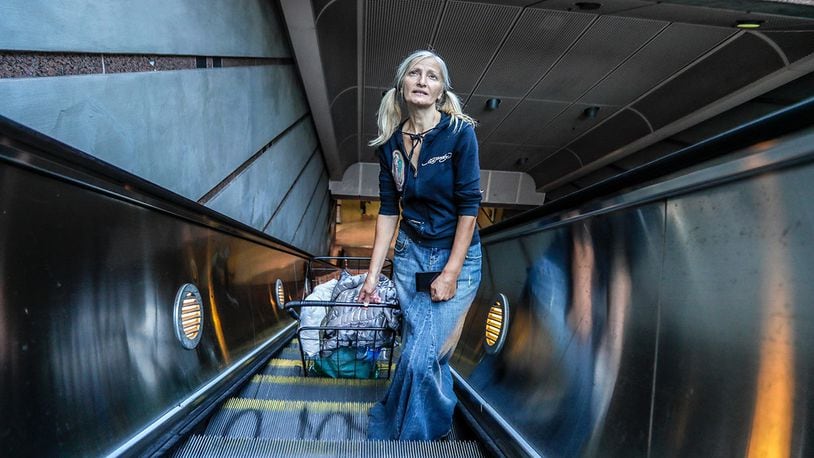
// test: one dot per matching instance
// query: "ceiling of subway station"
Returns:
(657, 74)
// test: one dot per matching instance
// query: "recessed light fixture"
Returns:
(492, 104)
(590, 112)
(588, 5)
(748, 23)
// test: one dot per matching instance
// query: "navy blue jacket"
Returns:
(445, 185)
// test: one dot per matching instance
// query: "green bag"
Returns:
(344, 363)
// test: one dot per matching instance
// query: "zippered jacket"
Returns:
(445, 185)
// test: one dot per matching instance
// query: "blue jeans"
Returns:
(420, 401)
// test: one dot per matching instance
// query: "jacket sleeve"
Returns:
(388, 194)
(467, 193)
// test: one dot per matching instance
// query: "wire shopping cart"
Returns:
(351, 350)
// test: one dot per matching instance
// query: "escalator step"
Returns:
(284, 367)
(199, 446)
(272, 419)
(289, 353)
(314, 389)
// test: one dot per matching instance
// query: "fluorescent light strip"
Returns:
(795, 2)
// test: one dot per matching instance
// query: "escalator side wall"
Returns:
(681, 326)
(88, 353)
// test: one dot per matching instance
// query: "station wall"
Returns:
(203, 99)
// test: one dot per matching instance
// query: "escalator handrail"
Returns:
(781, 122)
(33, 150)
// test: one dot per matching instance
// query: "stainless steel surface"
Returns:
(196, 397)
(576, 367)
(674, 320)
(737, 322)
(763, 157)
(88, 355)
(461, 383)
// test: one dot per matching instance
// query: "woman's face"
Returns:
(423, 83)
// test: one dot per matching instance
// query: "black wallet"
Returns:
(423, 280)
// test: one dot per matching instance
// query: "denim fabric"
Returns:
(420, 401)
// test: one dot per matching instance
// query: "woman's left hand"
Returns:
(444, 287)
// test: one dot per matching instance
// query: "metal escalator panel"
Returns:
(672, 320)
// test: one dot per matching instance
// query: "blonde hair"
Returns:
(389, 116)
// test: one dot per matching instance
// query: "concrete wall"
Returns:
(201, 98)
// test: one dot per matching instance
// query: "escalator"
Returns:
(692, 334)
(281, 413)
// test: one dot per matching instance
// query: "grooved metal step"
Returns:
(284, 367)
(274, 419)
(278, 419)
(314, 389)
(290, 352)
(205, 446)
(282, 414)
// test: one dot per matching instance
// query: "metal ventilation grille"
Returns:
(494, 323)
(497, 322)
(188, 316)
(279, 291)
(468, 36)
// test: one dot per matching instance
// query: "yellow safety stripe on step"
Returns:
(313, 406)
(286, 380)
(285, 363)
(297, 363)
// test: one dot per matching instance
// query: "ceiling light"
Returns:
(590, 112)
(796, 2)
(748, 24)
(588, 5)
(492, 104)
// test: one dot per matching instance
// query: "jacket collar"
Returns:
(443, 123)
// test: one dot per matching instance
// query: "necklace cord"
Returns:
(415, 140)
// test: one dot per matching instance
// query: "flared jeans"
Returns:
(420, 401)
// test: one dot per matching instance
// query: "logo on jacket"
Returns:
(438, 159)
(398, 169)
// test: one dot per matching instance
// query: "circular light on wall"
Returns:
(279, 291)
(188, 316)
(497, 324)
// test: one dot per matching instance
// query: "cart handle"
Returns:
(291, 304)
(347, 328)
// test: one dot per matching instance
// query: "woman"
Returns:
(429, 165)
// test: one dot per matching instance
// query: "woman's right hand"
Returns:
(368, 289)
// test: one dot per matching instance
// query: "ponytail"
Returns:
(388, 117)
(451, 105)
